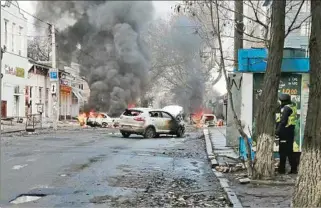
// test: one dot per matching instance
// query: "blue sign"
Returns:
(53, 75)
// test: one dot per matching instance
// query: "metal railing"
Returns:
(33, 121)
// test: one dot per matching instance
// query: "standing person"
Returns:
(285, 131)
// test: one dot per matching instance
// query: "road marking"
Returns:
(17, 167)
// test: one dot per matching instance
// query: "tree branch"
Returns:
(294, 20)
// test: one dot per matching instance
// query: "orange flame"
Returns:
(197, 116)
(131, 105)
(82, 117)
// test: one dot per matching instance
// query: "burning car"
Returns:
(209, 119)
(149, 123)
(99, 119)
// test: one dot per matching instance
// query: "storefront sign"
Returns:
(64, 88)
(64, 82)
(290, 83)
(19, 72)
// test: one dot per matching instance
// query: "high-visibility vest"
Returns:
(278, 117)
(292, 118)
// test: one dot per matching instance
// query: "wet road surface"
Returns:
(95, 168)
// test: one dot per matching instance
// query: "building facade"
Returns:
(14, 62)
(74, 92)
(37, 93)
(297, 38)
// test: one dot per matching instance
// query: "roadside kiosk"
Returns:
(294, 81)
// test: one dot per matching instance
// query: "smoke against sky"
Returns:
(187, 44)
(113, 57)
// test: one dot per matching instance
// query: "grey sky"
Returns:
(163, 8)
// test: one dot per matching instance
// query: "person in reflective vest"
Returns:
(285, 131)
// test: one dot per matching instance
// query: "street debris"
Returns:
(244, 180)
(227, 167)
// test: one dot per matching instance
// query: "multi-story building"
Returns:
(74, 92)
(297, 38)
(38, 99)
(14, 62)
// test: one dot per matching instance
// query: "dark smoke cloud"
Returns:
(113, 57)
(187, 44)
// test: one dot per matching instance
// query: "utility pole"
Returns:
(238, 30)
(231, 132)
(54, 78)
(2, 51)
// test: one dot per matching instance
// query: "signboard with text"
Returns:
(16, 71)
(290, 83)
(53, 74)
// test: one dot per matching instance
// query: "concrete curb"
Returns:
(223, 180)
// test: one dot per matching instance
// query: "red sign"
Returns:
(64, 88)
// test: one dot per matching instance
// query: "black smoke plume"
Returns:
(105, 38)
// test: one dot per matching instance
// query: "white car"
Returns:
(149, 123)
(100, 119)
(209, 119)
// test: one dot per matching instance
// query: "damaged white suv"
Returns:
(149, 123)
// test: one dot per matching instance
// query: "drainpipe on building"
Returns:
(2, 51)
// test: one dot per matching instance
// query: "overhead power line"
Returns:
(35, 17)
(23, 18)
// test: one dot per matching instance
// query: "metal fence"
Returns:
(33, 121)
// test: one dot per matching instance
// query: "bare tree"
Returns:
(265, 122)
(217, 26)
(308, 184)
(170, 66)
(39, 48)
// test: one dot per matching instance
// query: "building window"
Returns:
(40, 94)
(306, 48)
(21, 38)
(306, 7)
(47, 94)
(6, 22)
(30, 92)
(12, 36)
(306, 28)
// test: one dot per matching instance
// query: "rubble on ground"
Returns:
(227, 168)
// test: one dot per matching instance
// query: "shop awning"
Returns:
(78, 94)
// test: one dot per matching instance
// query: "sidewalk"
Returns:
(218, 154)
(222, 153)
(274, 193)
(16, 127)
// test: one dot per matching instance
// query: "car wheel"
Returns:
(150, 133)
(180, 132)
(125, 134)
(104, 125)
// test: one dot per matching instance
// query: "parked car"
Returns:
(99, 119)
(149, 123)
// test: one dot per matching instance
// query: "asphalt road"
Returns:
(95, 168)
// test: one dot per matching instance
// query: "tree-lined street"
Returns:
(96, 168)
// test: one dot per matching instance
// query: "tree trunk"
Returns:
(307, 191)
(265, 118)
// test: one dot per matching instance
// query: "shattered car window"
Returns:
(132, 112)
